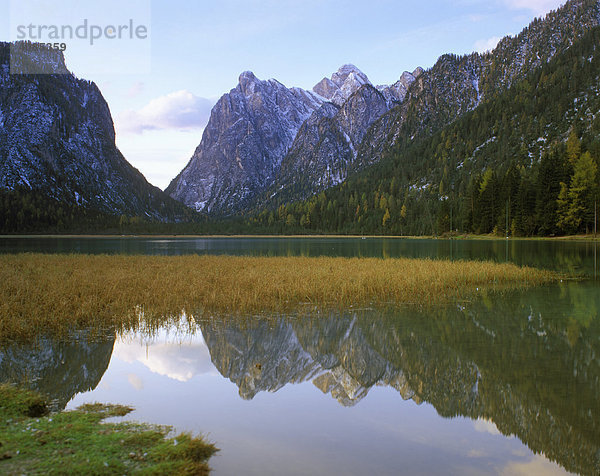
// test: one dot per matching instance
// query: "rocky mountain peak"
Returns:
(342, 74)
(325, 88)
(343, 83)
(418, 72)
(397, 91)
(249, 132)
(247, 82)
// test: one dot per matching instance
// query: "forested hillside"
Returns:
(527, 156)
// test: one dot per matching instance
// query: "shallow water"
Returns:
(570, 256)
(506, 384)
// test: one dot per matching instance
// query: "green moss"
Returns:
(79, 442)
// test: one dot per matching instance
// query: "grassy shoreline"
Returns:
(461, 237)
(32, 441)
(53, 294)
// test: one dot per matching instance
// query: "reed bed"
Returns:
(42, 293)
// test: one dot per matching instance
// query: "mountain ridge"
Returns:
(211, 180)
(417, 105)
(57, 139)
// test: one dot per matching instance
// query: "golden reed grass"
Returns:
(42, 293)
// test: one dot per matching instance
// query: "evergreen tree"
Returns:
(576, 202)
(552, 172)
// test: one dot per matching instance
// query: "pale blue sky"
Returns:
(196, 51)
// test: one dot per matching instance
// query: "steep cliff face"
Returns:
(397, 91)
(57, 137)
(249, 132)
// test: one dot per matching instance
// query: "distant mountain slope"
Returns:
(458, 84)
(528, 156)
(325, 147)
(355, 124)
(57, 138)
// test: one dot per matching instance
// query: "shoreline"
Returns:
(75, 441)
(466, 237)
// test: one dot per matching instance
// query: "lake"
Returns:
(506, 384)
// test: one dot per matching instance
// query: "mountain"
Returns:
(480, 142)
(263, 139)
(343, 83)
(458, 84)
(57, 140)
(326, 144)
(250, 130)
(397, 92)
(325, 148)
(356, 125)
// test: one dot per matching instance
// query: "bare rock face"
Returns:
(249, 132)
(325, 88)
(343, 83)
(396, 93)
(325, 147)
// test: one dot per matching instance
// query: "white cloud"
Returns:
(178, 361)
(538, 7)
(486, 426)
(481, 46)
(179, 110)
(537, 466)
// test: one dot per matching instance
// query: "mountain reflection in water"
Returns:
(523, 363)
(529, 362)
(57, 369)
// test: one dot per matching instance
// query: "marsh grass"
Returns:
(42, 293)
(79, 442)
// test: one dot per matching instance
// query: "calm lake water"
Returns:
(506, 384)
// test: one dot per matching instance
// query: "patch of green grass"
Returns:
(79, 442)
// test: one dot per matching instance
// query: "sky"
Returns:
(161, 84)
